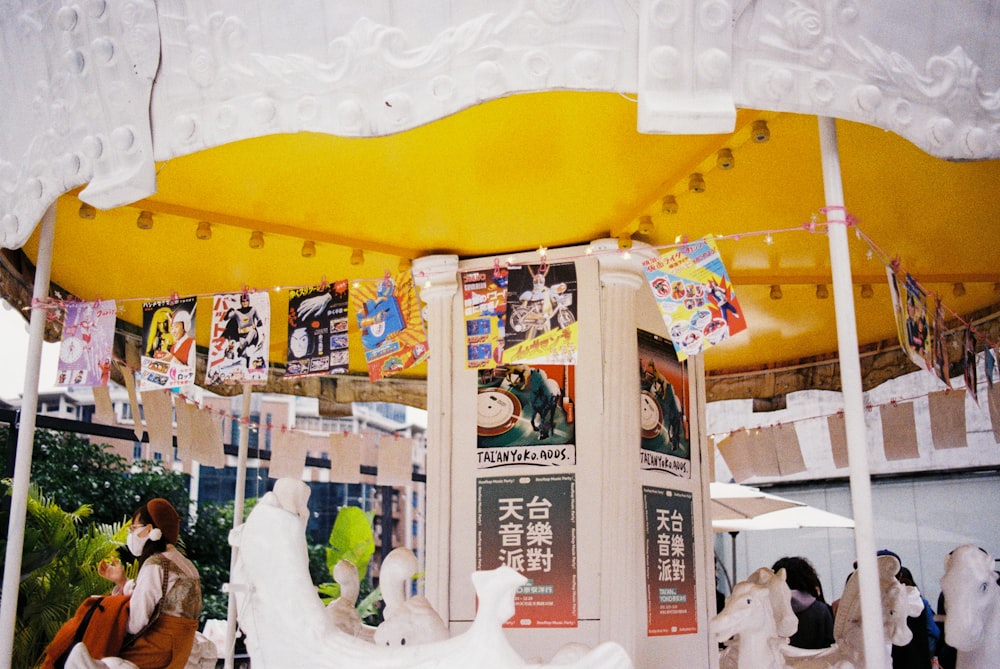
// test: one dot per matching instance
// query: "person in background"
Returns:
(165, 596)
(814, 614)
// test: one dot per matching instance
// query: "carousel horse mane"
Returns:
(756, 614)
(971, 589)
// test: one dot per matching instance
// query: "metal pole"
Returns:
(25, 441)
(238, 502)
(734, 581)
(850, 380)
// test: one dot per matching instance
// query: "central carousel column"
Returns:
(622, 575)
(437, 277)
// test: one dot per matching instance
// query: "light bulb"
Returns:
(256, 239)
(204, 230)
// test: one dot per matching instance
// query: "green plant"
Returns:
(59, 570)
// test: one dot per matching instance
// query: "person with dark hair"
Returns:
(165, 601)
(814, 614)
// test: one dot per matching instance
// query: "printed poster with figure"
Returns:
(392, 329)
(317, 330)
(540, 324)
(239, 347)
(914, 325)
(484, 303)
(670, 577)
(528, 523)
(168, 354)
(87, 338)
(695, 296)
(525, 416)
(664, 406)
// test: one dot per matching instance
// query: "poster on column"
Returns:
(540, 322)
(664, 406)
(168, 354)
(239, 347)
(317, 330)
(528, 523)
(484, 303)
(392, 329)
(87, 337)
(695, 296)
(670, 579)
(525, 416)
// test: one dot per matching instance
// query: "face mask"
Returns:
(135, 544)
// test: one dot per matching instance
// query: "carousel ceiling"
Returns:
(521, 170)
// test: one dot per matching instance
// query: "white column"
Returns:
(437, 277)
(622, 574)
(850, 381)
(239, 499)
(25, 441)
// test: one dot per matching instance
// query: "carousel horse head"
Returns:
(748, 609)
(972, 597)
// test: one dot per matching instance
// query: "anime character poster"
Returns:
(664, 406)
(941, 363)
(695, 296)
(239, 347)
(317, 330)
(669, 547)
(392, 329)
(913, 323)
(540, 324)
(87, 338)
(524, 416)
(528, 523)
(484, 300)
(168, 356)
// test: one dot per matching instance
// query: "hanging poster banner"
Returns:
(942, 365)
(524, 416)
(969, 369)
(87, 337)
(664, 405)
(240, 341)
(484, 300)
(670, 578)
(913, 323)
(540, 322)
(529, 524)
(695, 296)
(317, 330)
(392, 329)
(168, 358)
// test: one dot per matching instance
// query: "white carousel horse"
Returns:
(898, 602)
(759, 614)
(972, 600)
(287, 627)
(406, 620)
(342, 611)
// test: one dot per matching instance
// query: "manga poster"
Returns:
(913, 323)
(524, 416)
(670, 578)
(540, 324)
(168, 356)
(664, 406)
(528, 523)
(969, 370)
(484, 303)
(695, 296)
(941, 363)
(238, 349)
(317, 330)
(87, 338)
(392, 329)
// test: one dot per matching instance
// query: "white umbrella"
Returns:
(736, 508)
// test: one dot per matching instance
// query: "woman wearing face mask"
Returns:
(165, 596)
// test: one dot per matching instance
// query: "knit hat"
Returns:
(165, 517)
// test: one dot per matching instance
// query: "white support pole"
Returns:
(25, 441)
(238, 501)
(850, 381)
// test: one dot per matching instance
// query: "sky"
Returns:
(14, 351)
